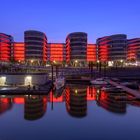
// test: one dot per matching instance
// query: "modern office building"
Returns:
(76, 46)
(19, 51)
(112, 48)
(103, 48)
(6, 44)
(133, 49)
(35, 46)
(56, 52)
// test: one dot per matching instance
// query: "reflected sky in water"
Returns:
(77, 114)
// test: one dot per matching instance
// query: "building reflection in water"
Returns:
(5, 105)
(34, 107)
(76, 100)
(132, 101)
(53, 98)
(91, 93)
(114, 102)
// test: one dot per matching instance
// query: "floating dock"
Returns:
(43, 90)
(133, 92)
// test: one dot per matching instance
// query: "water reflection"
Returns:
(75, 98)
(76, 101)
(112, 102)
(5, 105)
(34, 107)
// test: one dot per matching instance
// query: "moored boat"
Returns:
(99, 81)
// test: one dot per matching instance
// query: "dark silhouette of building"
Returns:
(35, 46)
(76, 101)
(76, 46)
(114, 102)
(34, 107)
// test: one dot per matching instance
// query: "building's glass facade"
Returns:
(6, 44)
(75, 52)
(112, 48)
(35, 46)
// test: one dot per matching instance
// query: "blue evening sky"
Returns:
(57, 18)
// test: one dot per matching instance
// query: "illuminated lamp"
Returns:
(76, 91)
(2, 80)
(76, 61)
(110, 63)
(32, 61)
(28, 80)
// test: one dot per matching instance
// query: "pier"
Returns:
(133, 92)
(42, 90)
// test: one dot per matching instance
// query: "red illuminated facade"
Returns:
(56, 52)
(91, 53)
(75, 52)
(103, 49)
(19, 100)
(112, 48)
(19, 51)
(91, 93)
(6, 43)
(133, 49)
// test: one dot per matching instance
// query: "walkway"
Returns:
(130, 91)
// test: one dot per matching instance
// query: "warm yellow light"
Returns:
(54, 62)
(110, 63)
(28, 80)
(47, 65)
(76, 61)
(32, 61)
(98, 91)
(76, 91)
(2, 80)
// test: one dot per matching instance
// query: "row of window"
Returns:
(34, 39)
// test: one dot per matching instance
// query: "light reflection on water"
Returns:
(81, 112)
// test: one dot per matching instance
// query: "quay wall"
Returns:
(23, 79)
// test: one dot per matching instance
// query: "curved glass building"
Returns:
(35, 46)
(76, 46)
(133, 49)
(112, 48)
(6, 43)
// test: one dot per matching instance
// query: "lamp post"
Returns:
(97, 64)
(52, 71)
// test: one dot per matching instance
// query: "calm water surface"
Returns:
(80, 113)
